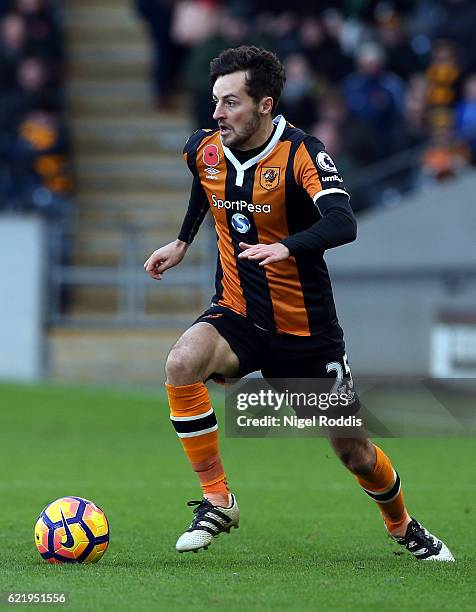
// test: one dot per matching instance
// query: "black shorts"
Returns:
(279, 357)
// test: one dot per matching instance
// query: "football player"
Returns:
(278, 202)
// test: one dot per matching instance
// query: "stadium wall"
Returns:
(409, 268)
(22, 263)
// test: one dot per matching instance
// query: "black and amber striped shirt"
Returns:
(289, 192)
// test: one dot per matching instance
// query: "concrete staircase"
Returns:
(127, 156)
(129, 174)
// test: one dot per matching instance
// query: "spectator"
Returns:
(12, 48)
(193, 21)
(299, 101)
(400, 57)
(414, 130)
(35, 171)
(443, 75)
(43, 30)
(39, 161)
(465, 115)
(357, 145)
(348, 33)
(445, 155)
(34, 87)
(230, 31)
(457, 19)
(403, 72)
(33, 91)
(167, 54)
(323, 51)
(277, 32)
(375, 96)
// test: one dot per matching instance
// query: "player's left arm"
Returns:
(336, 227)
(264, 253)
(315, 171)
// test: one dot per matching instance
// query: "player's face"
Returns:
(236, 112)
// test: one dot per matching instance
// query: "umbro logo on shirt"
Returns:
(210, 173)
(211, 158)
(333, 177)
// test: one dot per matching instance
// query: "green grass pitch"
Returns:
(309, 538)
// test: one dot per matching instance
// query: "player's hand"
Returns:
(164, 258)
(264, 253)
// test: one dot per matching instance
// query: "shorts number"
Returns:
(335, 366)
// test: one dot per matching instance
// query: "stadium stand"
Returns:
(131, 184)
(35, 158)
(137, 85)
(34, 150)
(131, 188)
(390, 68)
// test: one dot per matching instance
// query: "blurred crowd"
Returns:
(385, 83)
(35, 168)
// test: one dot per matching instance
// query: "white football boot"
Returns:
(209, 521)
(424, 545)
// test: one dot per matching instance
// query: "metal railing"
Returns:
(127, 277)
(133, 244)
(385, 181)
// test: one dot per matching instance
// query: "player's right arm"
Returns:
(164, 258)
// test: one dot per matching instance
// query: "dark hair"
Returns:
(265, 75)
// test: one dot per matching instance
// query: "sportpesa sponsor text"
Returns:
(240, 205)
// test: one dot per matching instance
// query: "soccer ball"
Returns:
(72, 530)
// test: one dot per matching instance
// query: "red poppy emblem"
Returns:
(210, 155)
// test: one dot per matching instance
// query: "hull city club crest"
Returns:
(269, 178)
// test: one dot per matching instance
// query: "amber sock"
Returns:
(383, 486)
(195, 422)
